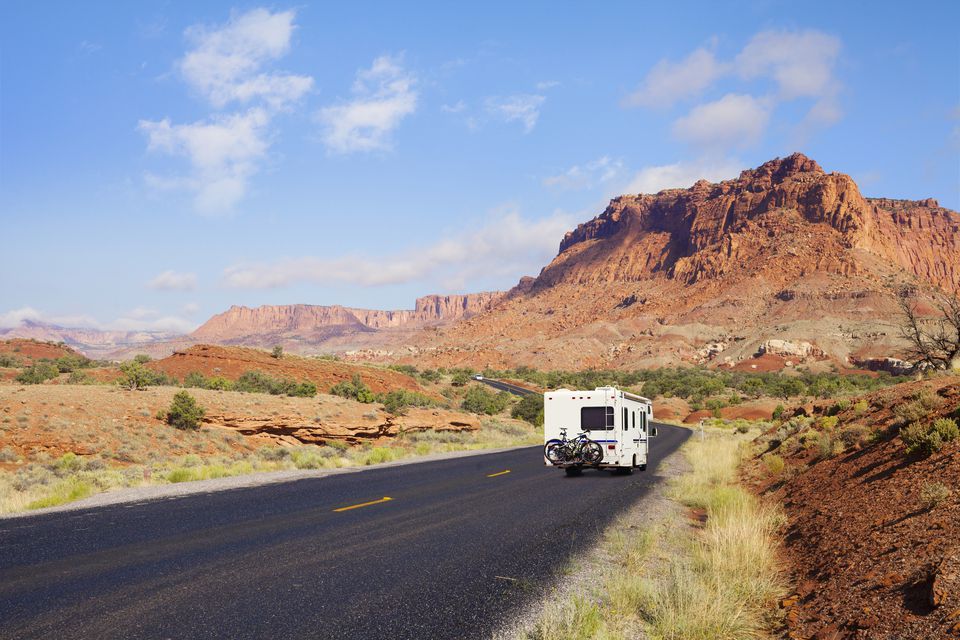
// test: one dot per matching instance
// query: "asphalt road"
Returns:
(458, 548)
(506, 386)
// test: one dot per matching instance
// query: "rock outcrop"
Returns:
(315, 324)
(785, 249)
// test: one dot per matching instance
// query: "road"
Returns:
(458, 548)
(506, 386)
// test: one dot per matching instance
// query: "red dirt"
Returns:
(29, 351)
(869, 559)
(232, 362)
(762, 364)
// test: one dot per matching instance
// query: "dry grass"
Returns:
(671, 581)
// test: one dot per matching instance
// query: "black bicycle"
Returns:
(578, 450)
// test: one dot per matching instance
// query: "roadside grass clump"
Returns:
(479, 400)
(774, 464)
(184, 412)
(67, 490)
(379, 455)
(38, 373)
(724, 585)
(577, 619)
(933, 494)
(355, 389)
(928, 438)
(313, 457)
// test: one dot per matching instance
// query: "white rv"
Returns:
(620, 422)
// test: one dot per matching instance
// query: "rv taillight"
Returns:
(611, 446)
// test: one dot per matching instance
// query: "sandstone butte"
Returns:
(785, 251)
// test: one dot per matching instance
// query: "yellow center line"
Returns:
(500, 473)
(365, 504)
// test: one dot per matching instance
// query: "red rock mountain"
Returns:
(785, 251)
(303, 324)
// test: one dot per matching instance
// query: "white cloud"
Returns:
(587, 175)
(385, 94)
(225, 63)
(507, 246)
(547, 84)
(225, 66)
(174, 281)
(457, 107)
(191, 308)
(668, 82)
(681, 175)
(801, 62)
(139, 319)
(735, 120)
(523, 108)
(224, 153)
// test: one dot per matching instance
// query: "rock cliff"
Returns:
(785, 251)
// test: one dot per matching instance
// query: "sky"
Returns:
(162, 161)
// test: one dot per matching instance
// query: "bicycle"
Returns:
(578, 450)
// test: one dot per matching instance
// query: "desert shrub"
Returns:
(479, 400)
(774, 464)
(828, 423)
(922, 404)
(80, 377)
(379, 455)
(778, 411)
(861, 407)
(312, 457)
(7, 360)
(927, 439)
(67, 490)
(277, 352)
(854, 435)
(37, 373)
(184, 412)
(273, 454)
(398, 400)
(530, 408)
(355, 390)
(934, 493)
(839, 406)
(142, 358)
(460, 379)
(827, 445)
(66, 364)
(407, 369)
(259, 382)
(194, 379)
(430, 375)
(133, 376)
(67, 463)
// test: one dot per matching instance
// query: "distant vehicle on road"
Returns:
(478, 377)
(621, 423)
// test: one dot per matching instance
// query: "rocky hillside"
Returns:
(301, 325)
(871, 491)
(785, 251)
(94, 343)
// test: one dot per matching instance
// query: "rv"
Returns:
(620, 422)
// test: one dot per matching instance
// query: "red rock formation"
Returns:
(785, 251)
(314, 323)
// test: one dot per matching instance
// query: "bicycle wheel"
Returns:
(554, 451)
(592, 452)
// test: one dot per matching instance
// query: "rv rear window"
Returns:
(596, 418)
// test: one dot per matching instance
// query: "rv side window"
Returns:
(596, 418)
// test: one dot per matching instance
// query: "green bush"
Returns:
(460, 379)
(927, 439)
(398, 400)
(142, 358)
(854, 435)
(277, 352)
(67, 364)
(407, 369)
(430, 375)
(355, 390)
(80, 377)
(133, 376)
(38, 373)
(479, 400)
(932, 494)
(530, 408)
(774, 464)
(778, 411)
(7, 360)
(184, 412)
(259, 382)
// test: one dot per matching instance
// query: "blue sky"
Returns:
(161, 161)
